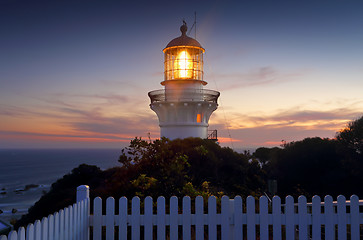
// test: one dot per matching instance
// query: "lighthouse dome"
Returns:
(184, 40)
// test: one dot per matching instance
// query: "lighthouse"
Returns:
(183, 106)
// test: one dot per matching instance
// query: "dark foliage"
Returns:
(317, 166)
(160, 168)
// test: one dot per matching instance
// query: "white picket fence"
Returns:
(69, 223)
(227, 219)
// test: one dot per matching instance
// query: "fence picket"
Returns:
(56, 226)
(13, 235)
(66, 223)
(231, 218)
(238, 212)
(263, 218)
(225, 218)
(74, 221)
(174, 217)
(161, 218)
(316, 212)
(71, 226)
(135, 218)
(123, 218)
(328, 217)
(148, 219)
(86, 228)
(79, 220)
(187, 215)
(110, 223)
(251, 218)
(290, 218)
(30, 232)
(61, 224)
(199, 218)
(97, 218)
(38, 230)
(303, 218)
(212, 218)
(354, 213)
(276, 217)
(51, 227)
(342, 218)
(3, 237)
(21, 233)
(44, 228)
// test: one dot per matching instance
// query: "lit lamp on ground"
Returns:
(183, 106)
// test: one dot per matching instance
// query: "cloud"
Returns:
(128, 125)
(292, 117)
(80, 117)
(25, 112)
(267, 136)
(266, 75)
(268, 129)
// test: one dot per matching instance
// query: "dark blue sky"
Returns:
(286, 69)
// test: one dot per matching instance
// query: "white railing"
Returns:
(187, 219)
(69, 223)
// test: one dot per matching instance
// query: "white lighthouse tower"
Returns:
(183, 106)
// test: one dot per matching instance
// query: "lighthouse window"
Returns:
(199, 118)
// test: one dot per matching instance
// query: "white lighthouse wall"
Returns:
(183, 119)
(183, 131)
(183, 112)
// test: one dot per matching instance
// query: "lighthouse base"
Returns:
(174, 131)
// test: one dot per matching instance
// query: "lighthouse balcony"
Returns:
(186, 95)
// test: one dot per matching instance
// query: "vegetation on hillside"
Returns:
(316, 166)
(201, 167)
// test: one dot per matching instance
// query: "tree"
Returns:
(350, 141)
(352, 136)
(311, 166)
(177, 163)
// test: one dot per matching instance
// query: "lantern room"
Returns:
(183, 59)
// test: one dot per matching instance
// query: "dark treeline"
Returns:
(316, 166)
(313, 166)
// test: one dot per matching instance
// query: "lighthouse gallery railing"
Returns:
(187, 95)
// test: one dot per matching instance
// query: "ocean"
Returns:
(39, 168)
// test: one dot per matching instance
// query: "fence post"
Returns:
(82, 192)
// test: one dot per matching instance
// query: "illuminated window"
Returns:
(199, 118)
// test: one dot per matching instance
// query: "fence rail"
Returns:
(200, 219)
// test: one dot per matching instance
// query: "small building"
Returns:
(183, 106)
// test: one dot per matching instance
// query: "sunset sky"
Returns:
(75, 74)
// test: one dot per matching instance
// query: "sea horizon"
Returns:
(39, 168)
